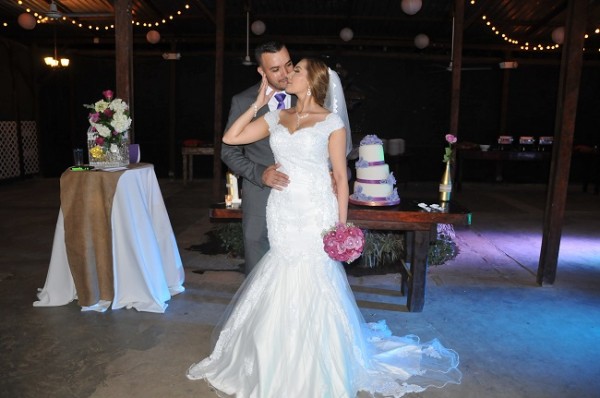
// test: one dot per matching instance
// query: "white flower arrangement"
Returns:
(109, 120)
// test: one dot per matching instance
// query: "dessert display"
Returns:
(545, 143)
(526, 143)
(374, 185)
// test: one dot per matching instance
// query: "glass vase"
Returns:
(115, 155)
(446, 184)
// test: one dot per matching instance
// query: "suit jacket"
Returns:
(249, 161)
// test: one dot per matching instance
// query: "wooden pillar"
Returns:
(504, 98)
(456, 62)
(218, 124)
(172, 110)
(124, 56)
(566, 110)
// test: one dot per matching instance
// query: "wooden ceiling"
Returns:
(379, 27)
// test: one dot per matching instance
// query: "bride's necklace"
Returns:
(299, 118)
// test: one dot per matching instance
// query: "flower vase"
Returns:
(112, 155)
(446, 184)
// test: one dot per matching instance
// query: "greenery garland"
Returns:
(381, 247)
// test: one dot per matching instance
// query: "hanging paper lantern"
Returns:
(26, 21)
(153, 36)
(421, 41)
(346, 34)
(411, 7)
(558, 35)
(258, 27)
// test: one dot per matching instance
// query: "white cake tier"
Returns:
(371, 152)
(373, 172)
(374, 190)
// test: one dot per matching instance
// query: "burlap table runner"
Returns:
(86, 199)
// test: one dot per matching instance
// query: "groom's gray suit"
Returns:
(249, 162)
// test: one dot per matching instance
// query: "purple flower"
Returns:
(370, 140)
(361, 163)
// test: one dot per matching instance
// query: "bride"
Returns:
(293, 328)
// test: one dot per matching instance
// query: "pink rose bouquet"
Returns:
(343, 242)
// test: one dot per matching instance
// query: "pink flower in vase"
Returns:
(108, 94)
(99, 141)
(94, 117)
(451, 139)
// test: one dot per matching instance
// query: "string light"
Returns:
(44, 19)
(527, 46)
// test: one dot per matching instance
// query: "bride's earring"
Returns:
(308, 93)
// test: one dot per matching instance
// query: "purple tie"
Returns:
(280, 100)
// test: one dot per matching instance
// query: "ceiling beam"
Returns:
(205, 11)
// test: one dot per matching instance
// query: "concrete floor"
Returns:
(515, 339)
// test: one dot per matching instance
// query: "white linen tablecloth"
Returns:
(147, 266)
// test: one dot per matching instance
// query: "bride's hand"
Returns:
(262, 97)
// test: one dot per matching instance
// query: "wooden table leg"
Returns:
(459, 171)
(185, 175)
(418, 250)
(499, 173)
(191, 168)
(409, 238)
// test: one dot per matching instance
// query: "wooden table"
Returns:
(420, 228)
(499, 158)
(188, 153)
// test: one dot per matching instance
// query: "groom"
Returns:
(255, 162)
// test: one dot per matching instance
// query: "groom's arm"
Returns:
(234, 156)
(240, 165)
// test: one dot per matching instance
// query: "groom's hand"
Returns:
(275, 179)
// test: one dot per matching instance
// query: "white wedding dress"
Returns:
(293, 329)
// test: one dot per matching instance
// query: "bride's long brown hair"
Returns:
(318, 79)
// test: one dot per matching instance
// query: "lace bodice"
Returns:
(304, 153)
(307, 206)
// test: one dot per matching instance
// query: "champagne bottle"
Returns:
(446, 184)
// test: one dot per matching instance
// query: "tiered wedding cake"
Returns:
(374, 184)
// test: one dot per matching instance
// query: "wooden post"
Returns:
(218, 124)
(457, 45)
(566, 110)
(172, 110)
(124, 56)
(504, 98)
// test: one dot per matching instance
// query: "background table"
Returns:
(187, 154)
(499, 158)
(419, 225)
(146, 265)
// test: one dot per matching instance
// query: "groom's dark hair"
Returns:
(268, 47)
